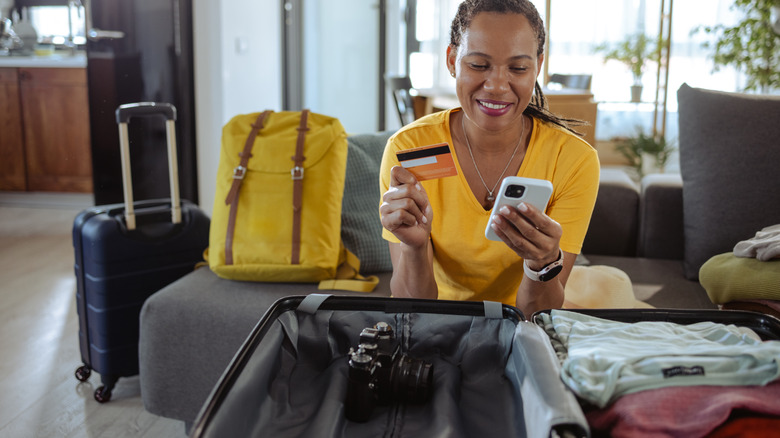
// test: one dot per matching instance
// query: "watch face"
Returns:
(551, 273)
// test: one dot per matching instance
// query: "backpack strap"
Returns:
(297, 175)
(238, 178)
(348, 275)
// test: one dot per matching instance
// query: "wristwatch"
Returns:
(548, 272)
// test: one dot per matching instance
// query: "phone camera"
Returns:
(514, 191)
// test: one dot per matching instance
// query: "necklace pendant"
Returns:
(490, 198)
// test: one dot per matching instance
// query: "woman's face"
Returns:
(495, 68)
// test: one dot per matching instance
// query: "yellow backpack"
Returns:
(277, 209)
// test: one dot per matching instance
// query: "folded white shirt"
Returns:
(602, 360)
(764, 246)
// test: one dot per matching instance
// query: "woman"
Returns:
(435, 228)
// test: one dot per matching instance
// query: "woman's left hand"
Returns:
(530, 233)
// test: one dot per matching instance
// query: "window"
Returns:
(428, 67)
(53, 27)
(576, 27)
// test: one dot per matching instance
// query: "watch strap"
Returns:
(548, 272)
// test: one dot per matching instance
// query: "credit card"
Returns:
(428, 162)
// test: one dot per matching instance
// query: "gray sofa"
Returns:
(191, 329)
(659, 232)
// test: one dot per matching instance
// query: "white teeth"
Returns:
(493, 106)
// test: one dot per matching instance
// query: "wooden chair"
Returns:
(580, 82)
(400, 87)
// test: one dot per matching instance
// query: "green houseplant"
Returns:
(645, 153)
(751, 45)
(634, 51)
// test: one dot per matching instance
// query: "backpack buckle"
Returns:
(296, 172)
(239, 172)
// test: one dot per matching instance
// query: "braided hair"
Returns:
(468, 9)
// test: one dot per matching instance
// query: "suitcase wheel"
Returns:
(102, 394)
(82, 373)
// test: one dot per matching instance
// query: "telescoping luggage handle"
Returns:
(123, 115)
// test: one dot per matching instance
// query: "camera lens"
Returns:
(412, 379)
(514, 191)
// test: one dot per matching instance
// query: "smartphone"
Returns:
(516, 189)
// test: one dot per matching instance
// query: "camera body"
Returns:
(380, 374)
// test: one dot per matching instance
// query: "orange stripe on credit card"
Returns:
(428, 162)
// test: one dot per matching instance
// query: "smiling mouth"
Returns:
(494, 106)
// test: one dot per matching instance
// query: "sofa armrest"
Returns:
(614, 224)
(661, 233)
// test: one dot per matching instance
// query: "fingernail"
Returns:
(418, 186)
(504, 210)
(496, 220)
(522, 207)
(425, 219)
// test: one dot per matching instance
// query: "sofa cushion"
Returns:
(192, 328)
(614, 224)
(659, 282)
(728, 161)
(661, 217)
(361, 229)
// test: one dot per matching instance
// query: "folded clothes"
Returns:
(764, 246)
(602, 360)
(688, 412)
(749, 426)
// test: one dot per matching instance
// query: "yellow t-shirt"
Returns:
(467, 266)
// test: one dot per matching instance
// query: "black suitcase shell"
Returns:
(117, 268)
(289, 377)
(249, 400)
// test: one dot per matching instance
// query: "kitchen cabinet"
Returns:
(45, 134)
(13, 174)
(56, 129)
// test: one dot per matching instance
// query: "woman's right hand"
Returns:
(405, 209)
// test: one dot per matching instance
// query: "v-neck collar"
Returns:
(473, 201)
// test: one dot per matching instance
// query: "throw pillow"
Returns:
(728, 278)
(361, 229)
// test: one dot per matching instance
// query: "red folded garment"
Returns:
(748, 427)
(692, 411)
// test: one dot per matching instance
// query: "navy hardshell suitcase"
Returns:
(491, 373)
(126, 252)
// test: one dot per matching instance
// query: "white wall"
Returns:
(238, 64)
(341, 61)
(238, 70)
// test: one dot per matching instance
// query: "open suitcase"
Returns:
(126, 252)
(490, 372)
(493, 371)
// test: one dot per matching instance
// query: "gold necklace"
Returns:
(490, 198)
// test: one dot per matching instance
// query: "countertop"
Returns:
(79, 60)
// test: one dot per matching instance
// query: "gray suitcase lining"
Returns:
(490, 375)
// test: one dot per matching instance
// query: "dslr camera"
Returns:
(380, 374)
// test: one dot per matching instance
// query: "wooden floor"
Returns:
(39, 395)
